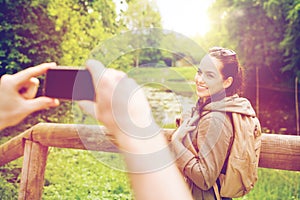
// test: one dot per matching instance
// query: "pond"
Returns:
(167, 106)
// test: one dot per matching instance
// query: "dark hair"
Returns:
(230, 68)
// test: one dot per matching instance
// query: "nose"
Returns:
(199, 78)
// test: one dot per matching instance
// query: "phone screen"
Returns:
(71, 84)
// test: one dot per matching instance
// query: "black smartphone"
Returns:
(70, 84)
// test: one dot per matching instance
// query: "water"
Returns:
(167, 106)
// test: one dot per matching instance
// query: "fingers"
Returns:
(185, 128)
(40, 103)
(26, 74)
(29, 90)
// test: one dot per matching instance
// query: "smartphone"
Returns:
(69, 84)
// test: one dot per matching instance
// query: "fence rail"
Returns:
(277, 152)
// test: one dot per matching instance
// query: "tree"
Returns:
(27, 35)
(64, 31)
(246, 27)
(290, 43)
(139, 18)
(265, 33)
(85, 23)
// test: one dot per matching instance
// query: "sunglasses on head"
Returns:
(222, 51)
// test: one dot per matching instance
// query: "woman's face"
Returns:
(209, 79)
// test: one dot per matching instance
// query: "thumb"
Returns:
(96, 69)
(190, 128)
(194, 119)
(88, 107)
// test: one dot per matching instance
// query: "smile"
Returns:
(201, 87)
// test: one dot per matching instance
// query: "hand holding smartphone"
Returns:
(69, 84)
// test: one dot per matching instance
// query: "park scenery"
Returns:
(133, 36)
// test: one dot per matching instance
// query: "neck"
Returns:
(215, 97)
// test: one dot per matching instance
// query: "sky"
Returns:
(188, 17)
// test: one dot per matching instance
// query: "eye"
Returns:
(199, 72)
(210, 75)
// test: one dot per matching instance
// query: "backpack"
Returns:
(242, 164)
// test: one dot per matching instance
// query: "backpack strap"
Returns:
(224, 168)
(217, 185)
(217, 192)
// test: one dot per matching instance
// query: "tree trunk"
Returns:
(297, 105)
(137, 59)
(257, 90)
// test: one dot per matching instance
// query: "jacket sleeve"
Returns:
(213, 136)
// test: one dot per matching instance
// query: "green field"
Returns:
(176, 79)
(75, 174)
(78, 174)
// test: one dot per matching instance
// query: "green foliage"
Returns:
(290, 44)
(147, 48)
(84, 27)
(181, 46)
(27, 35)
(10, 179)
(246, 27)
(7, 190)
(140, 15)
(65, 31)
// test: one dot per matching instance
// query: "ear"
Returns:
(227, 83)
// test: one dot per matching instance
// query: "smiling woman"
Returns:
(204, 139)
(188, 17)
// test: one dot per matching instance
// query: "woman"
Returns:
(203, 141)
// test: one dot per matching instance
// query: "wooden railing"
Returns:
(278, 151)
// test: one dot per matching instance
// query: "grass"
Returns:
(178, 80)
(275, 185)
(77, 174)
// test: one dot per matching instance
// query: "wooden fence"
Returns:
(278, 151)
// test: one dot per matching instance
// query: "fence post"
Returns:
(33, 170)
